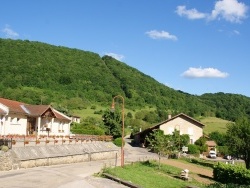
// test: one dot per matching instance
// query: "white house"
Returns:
(17, 118)
(180, 122)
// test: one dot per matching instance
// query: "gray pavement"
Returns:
(73, 175)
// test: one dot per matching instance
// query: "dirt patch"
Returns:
(200, 174)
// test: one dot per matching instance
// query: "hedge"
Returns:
(227, 173)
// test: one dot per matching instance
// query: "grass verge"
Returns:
(147, 174)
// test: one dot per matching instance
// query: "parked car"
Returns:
(212, 154)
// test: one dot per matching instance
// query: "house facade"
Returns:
(17, 118)
(180, 122)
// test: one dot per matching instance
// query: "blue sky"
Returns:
(190, 45)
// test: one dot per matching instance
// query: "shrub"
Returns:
(118, 142)
(193, 149)
(230, 185)
(226, 173)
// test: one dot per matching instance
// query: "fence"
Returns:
(19, 140)
(6, 142)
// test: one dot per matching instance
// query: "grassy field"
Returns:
(146, 174)
(214, 124)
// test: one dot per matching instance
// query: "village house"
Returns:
(17, 118)
(180, 122)
(76, 119)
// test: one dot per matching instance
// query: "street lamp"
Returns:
(113, 107)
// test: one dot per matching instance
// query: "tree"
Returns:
(238, 139)
(179, 140)
(201, 143)
(219, 138)
(113, 123)
(160, 143)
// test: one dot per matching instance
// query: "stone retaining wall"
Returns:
(33, 156)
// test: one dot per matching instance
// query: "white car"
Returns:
(212, 154)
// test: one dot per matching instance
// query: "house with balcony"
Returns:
(18, 118)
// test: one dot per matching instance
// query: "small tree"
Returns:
(201, 143)
(160, 143)
(219, 138)
(113, 123)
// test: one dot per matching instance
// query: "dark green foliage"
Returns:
(219, 138)
(193, 149)
(229, 185)
(118, 142)
(201, 143)
(223, 150)
(238, 139)
(235, 174)
(113, 123)
(228, 106)
(39, 73)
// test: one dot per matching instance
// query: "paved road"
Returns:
(78, 175)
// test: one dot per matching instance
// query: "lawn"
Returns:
(147, 175)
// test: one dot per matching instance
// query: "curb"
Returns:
(120, 181)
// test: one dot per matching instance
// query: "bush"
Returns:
(234, 174)
(230, 185)
(118, 142)
(193, 149)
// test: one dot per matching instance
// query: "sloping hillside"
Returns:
(36, 73)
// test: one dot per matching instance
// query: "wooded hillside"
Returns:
(35, 73)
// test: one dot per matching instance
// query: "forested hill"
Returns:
(35, 73)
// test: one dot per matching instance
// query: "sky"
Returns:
(189, 45)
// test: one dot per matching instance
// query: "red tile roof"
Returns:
(31, 110)
(37, 110)
(14, 106)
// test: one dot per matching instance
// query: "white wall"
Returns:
(14, 124)
(185, 127)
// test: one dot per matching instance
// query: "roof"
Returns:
(211, 143)
(163, 122)
(14, 106)
(2, 112)
(32, 110)
(37, 110)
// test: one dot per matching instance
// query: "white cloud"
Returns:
(9, 33)
(204, 73)
(191, 14)
(119, 57)
(230, 10)
(154, 34)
